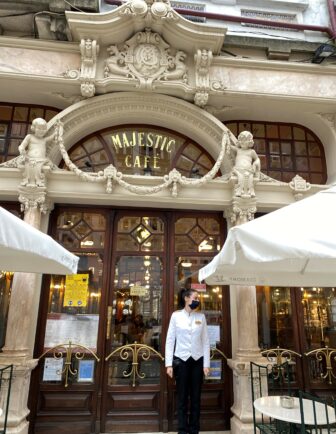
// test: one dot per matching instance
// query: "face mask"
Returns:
(194, 304)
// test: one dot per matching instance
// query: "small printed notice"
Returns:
(214, 335)
(215, 370)
(52, 369)
(140, 291)
(200, 287)
(86, 371)
(76, 290)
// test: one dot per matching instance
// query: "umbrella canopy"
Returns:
(24, 248)
(292, 246)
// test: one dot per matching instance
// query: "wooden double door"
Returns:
(132, 265)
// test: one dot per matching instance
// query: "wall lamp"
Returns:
(322, 52)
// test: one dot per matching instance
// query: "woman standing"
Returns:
(188, 335)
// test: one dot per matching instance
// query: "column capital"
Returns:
(34, 197)
(241, 211)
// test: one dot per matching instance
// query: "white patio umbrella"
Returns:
(292, 246)
(24, 248)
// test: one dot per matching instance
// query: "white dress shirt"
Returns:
(188, 334)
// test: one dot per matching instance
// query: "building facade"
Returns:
(118, 137)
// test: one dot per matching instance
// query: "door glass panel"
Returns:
(73, 315)
(137, 316)
(6, 280)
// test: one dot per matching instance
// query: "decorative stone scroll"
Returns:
(203, 59)
(173, 179)
(150, 10)
(299, 186)
(146, 57)
(89, 52)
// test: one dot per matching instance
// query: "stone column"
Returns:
(22, 318)
(243, 210)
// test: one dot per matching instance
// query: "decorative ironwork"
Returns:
(280, 354)
(132, 352)
(69, 349)
(214, 351)
(328, 355)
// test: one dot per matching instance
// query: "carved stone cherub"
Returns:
(247, 165)
(34, 151)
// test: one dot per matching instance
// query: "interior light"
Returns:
(147, 277)
(147, 263)
(186, 264)
(87, 243)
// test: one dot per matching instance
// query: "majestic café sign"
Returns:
(143, 149)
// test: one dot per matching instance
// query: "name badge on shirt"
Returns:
(198, 322)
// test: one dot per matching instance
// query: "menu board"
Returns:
(79, 329)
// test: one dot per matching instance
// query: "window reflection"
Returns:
(275, 326)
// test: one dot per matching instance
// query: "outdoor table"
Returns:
(271, 406)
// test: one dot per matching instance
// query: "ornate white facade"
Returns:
(143, 63)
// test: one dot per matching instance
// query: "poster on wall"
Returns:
(214, 335)
(76, 290)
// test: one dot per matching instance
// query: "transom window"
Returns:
(286, 150)
(15, 120)
(141, 150)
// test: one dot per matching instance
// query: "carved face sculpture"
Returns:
(39, 127)
(245, 140)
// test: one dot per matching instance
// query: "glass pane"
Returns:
(81, 230)
(302, 163)
(3, 129)
(274, 147)
(314, 149)
(78, 152)
(2, 145)
(95, 221)
(67, 239)
(127, 243)
(99, 157)
(92, 145)
(137, 316)
(287, 162)
(197, 234)
(184, 244)
(263, 162)
(154, 224)
(20, 114)
(315, 164)
(300, 148)
(232, 127)
(205, 161)
(184, 163)
(316, 178)
(209, 225)
(18, 130)
(13, 147)
(5, 113)
(49, 114)
(35, 112)
(210, 244)
(258, 130)
(275, 326)
(94, 240)
(287, 176)
(127, 224)
(154, 244)
(184, 225)
(275, 162)
(68, 219)
(260, 145)
(192, 152)
(286, 148)
(285, 132)
(299, 133)
(272, 131)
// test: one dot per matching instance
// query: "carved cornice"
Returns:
(123, 22)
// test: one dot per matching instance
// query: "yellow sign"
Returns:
(76, 290)
(139, 291)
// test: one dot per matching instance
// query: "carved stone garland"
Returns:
(173, 178)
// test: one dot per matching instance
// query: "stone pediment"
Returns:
(145, 45)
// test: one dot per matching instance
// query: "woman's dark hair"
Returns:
(182, 294)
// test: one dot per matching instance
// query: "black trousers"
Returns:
(189, 378)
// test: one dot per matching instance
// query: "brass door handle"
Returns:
(109, 320)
